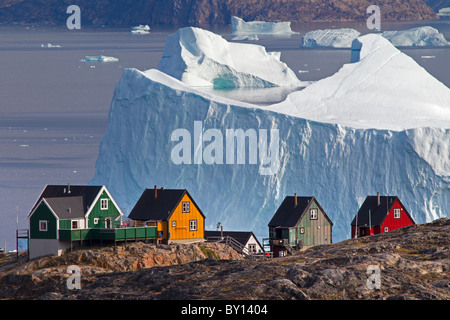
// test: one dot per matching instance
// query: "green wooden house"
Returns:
(298, 222)
(65, 215)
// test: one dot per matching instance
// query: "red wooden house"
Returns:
(379, 214)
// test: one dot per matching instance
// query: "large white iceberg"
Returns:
(334, 38)
(200, 58)
(416, 37)
(239, 27)
(381, 124)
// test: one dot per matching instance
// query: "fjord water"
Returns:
(54, 107)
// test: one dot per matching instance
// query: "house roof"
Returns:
(377, 211)
(240, 236)
(288, 214)
(88, 194)
(66, 207)
(160, 208)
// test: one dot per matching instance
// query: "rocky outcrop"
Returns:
(413, 263)
(205, 13)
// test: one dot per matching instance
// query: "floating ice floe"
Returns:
(416, 37)
(334, 38)
(239, 26)
(140, 29)
(140, 32)
(49, 45)
(252, 37)
(99, 59)
(200, 58)
(444, 12)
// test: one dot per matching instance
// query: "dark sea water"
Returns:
(54, 107)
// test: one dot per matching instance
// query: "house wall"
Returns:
(316, 231)
(251, 241)
(394, 223)
(45, 247)
(181, 228)
(96, 212)
(43, 213)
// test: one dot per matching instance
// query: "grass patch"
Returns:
(210, 253)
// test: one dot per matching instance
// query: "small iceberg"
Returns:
(140, 29)
(416, 37)
(49, 45)
(239, 27)
(444, 12)
(331, 38)
(100, 59)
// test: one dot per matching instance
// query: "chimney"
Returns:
(295, 199)
(378, 199)
(156, 192)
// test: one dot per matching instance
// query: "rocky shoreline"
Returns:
(414, 263)
(202, 13)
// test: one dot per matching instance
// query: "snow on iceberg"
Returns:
(334, 38)
(383, 89)
(338, 164)
(200, 58)
(100, 59)
(239, 26)
(416, 37)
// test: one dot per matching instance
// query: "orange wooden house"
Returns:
(174, 211)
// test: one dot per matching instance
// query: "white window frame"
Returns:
(95, 220)
(313, 213)
(302, 230)
(45, 222)
(104, 204)
(186, 206)
(192, 225)
(71, 224)
(386, 229)
(174, 223)
(397, 213)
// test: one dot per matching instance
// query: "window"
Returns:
(313, 213)
(302, 230)
(174, 223)
(95, 220)
(192, 225)
(396, 213)
(252, 248)
(386, 229)
(186, 206)
(74, 224)
(43, 224)
(104, 204)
